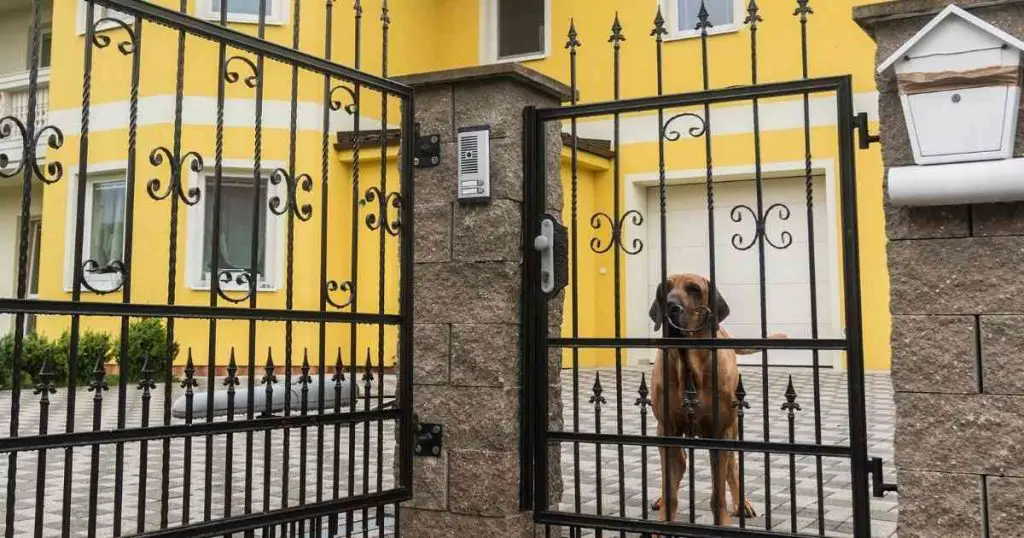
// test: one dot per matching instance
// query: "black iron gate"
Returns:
(613, 417)
(213, 265)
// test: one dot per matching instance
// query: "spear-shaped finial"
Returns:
(703, 19)
(45, 386)
(597, 399)
(752, 14)
(790, 404)
(305, 379)
(617, 37)
(190, 374)
(232, 379)
(269, 378)
(643, 401)
(339, 372)
(803, 9)
(741, 402)
(573, 43)
(659, 31)
(368, 372)
(146, 381)
(385, 17)
(358, 8)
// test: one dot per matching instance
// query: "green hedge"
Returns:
(145, 337)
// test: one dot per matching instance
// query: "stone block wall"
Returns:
(957, 302)
(468, 280)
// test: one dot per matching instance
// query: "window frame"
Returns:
(101, 173)
(44, 30)
(100, 13)
(35, 226)
(279, 12)
(489, 35)
(273, 242)
(671, 11)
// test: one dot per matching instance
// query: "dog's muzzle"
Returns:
(676, 310)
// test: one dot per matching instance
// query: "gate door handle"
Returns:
(552, 245)
(878, 485)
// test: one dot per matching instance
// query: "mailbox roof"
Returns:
(950, 11)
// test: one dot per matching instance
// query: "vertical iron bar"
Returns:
(354, 275)
(851, 281)
(367, 387)
(269, 379)
(644, 402)
(385, 19)
(98, 385)
(403, 390)
(703, 25)
(741, 404)
(231, 381)
(803, 10)
(44, 388)
(28, 157)
(76, 291)
(753, 19)
(659, 33)
(258, 213)
(572, 44)
(616, 39)
(211, 364)
(303, 381)
(598, 399)
(290, 255)
(324, 191)
(791, 407)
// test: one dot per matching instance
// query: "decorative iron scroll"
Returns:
(760, 227)
(616, 238)
(175, 186)
(293, 183)
(392, 200)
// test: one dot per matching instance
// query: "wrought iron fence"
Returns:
(303, 431)
(618, 461)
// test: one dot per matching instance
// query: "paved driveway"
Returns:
(285, 464)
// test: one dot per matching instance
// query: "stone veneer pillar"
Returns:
(957, 279)
(468, 263)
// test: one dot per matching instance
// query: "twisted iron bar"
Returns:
(616, 238)
(243, 279)
(175, 186)
(102, 41)
(293, 184)
(336, 104)
(392, 199)
(695, 131)
(760, 227)
(115, 267)
(232, 76)
(344, 287)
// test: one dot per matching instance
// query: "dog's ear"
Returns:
(657, 316)
(719, 305)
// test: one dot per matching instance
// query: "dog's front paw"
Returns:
(748, 509)
(656, 506)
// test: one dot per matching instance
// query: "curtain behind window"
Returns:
(235, 242)
(106, 234)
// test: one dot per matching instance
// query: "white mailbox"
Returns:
(959, 81)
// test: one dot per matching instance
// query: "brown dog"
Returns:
(691, 303)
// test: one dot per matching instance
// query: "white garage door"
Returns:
(787, 277)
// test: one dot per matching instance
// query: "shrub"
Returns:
(92, 347)
(36, 349)
(147, 336)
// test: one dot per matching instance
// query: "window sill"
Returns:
(694, 34)
(233, 288)
(243, 19)
(521, 58)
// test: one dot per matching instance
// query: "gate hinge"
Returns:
(428, 441)
(864, 136)
(878, 485)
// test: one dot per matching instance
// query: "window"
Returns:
(35, 228)
(100, 13)
(233, 249)
(245, 10)
(517, 29)
(723, 16)
(45, 46)
(103, 237)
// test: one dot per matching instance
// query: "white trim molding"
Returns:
(99, 172)
(100, 12)
(278, 15)
(489, 35)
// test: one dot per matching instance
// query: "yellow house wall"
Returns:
(436, 35)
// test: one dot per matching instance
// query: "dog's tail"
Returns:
(775, 336)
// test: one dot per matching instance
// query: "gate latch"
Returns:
(864, 136)
(552, 244)
(878, 485)
(428, 440)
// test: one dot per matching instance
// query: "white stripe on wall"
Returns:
(731, 120)
(200, 110)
